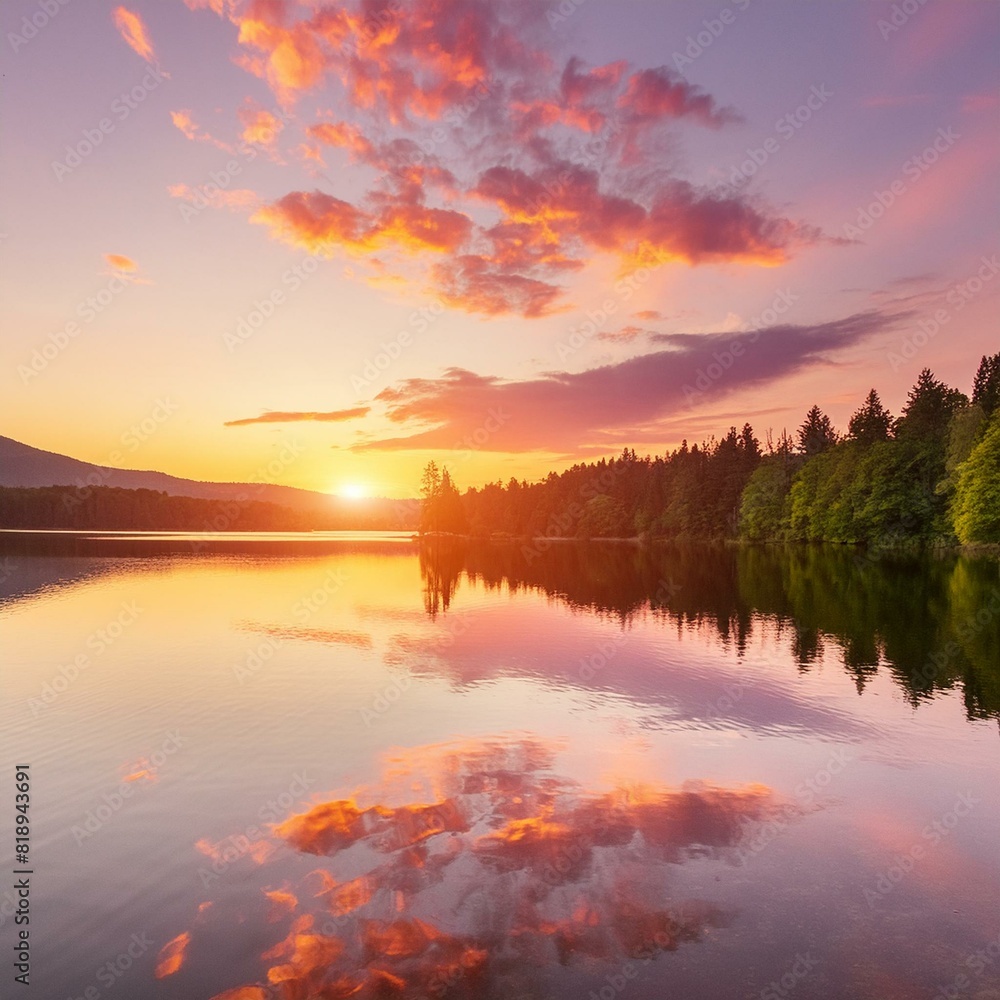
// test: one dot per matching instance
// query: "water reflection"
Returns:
(469, 862)
(933, 621)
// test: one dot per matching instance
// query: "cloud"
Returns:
(318, 222)
(260, 126)
(119, 262)
(343, 135)
(654, 94)
(184, 120)
(985, 102)
(124, 267)
(282, 417)
(516, 166)
(623, 336)
(236, 199)
(133, 31)
(562, 411)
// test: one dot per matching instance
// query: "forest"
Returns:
(106, 508)
(930, 475)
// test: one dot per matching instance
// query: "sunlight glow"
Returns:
(352, 491)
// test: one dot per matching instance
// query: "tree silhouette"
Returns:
(817, 433)
(872, 422)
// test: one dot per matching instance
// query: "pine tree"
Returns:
(430, 492)
(930, 405)
(986, 384)
(872, 422)
(817, 433)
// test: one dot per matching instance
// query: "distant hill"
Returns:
(24, 466)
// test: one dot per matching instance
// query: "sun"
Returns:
(352, 491)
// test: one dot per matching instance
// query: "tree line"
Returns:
(931, 474)
(107, 508)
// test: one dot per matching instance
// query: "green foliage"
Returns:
(816, 434)
(966, 428)
(930, 405)
(886, 483)
(872, 422)
(976, 508)
(762, 508)
(986, 384)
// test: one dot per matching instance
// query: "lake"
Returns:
(345, 765)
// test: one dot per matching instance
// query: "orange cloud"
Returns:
(341, 134)
(279, 417)
(184, 121)
(466, 83)
(260, 126)
(318, 221)
(119, 262)
(576, 878)
(132, 29)
(171, 955)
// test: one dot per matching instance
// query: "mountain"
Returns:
(22, 465)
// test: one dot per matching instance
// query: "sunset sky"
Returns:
(346, 238)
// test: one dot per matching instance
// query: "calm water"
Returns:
(337, 767)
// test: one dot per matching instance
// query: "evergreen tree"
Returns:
(817, 433)
(986, 384)
(930, 405)
(976, 509)
(872, 422)
(430, 495)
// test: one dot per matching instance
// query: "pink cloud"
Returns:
(473, 132)
(133, 31)
(284, 417)
(566, 411)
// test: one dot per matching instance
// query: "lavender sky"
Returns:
(321, 243)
